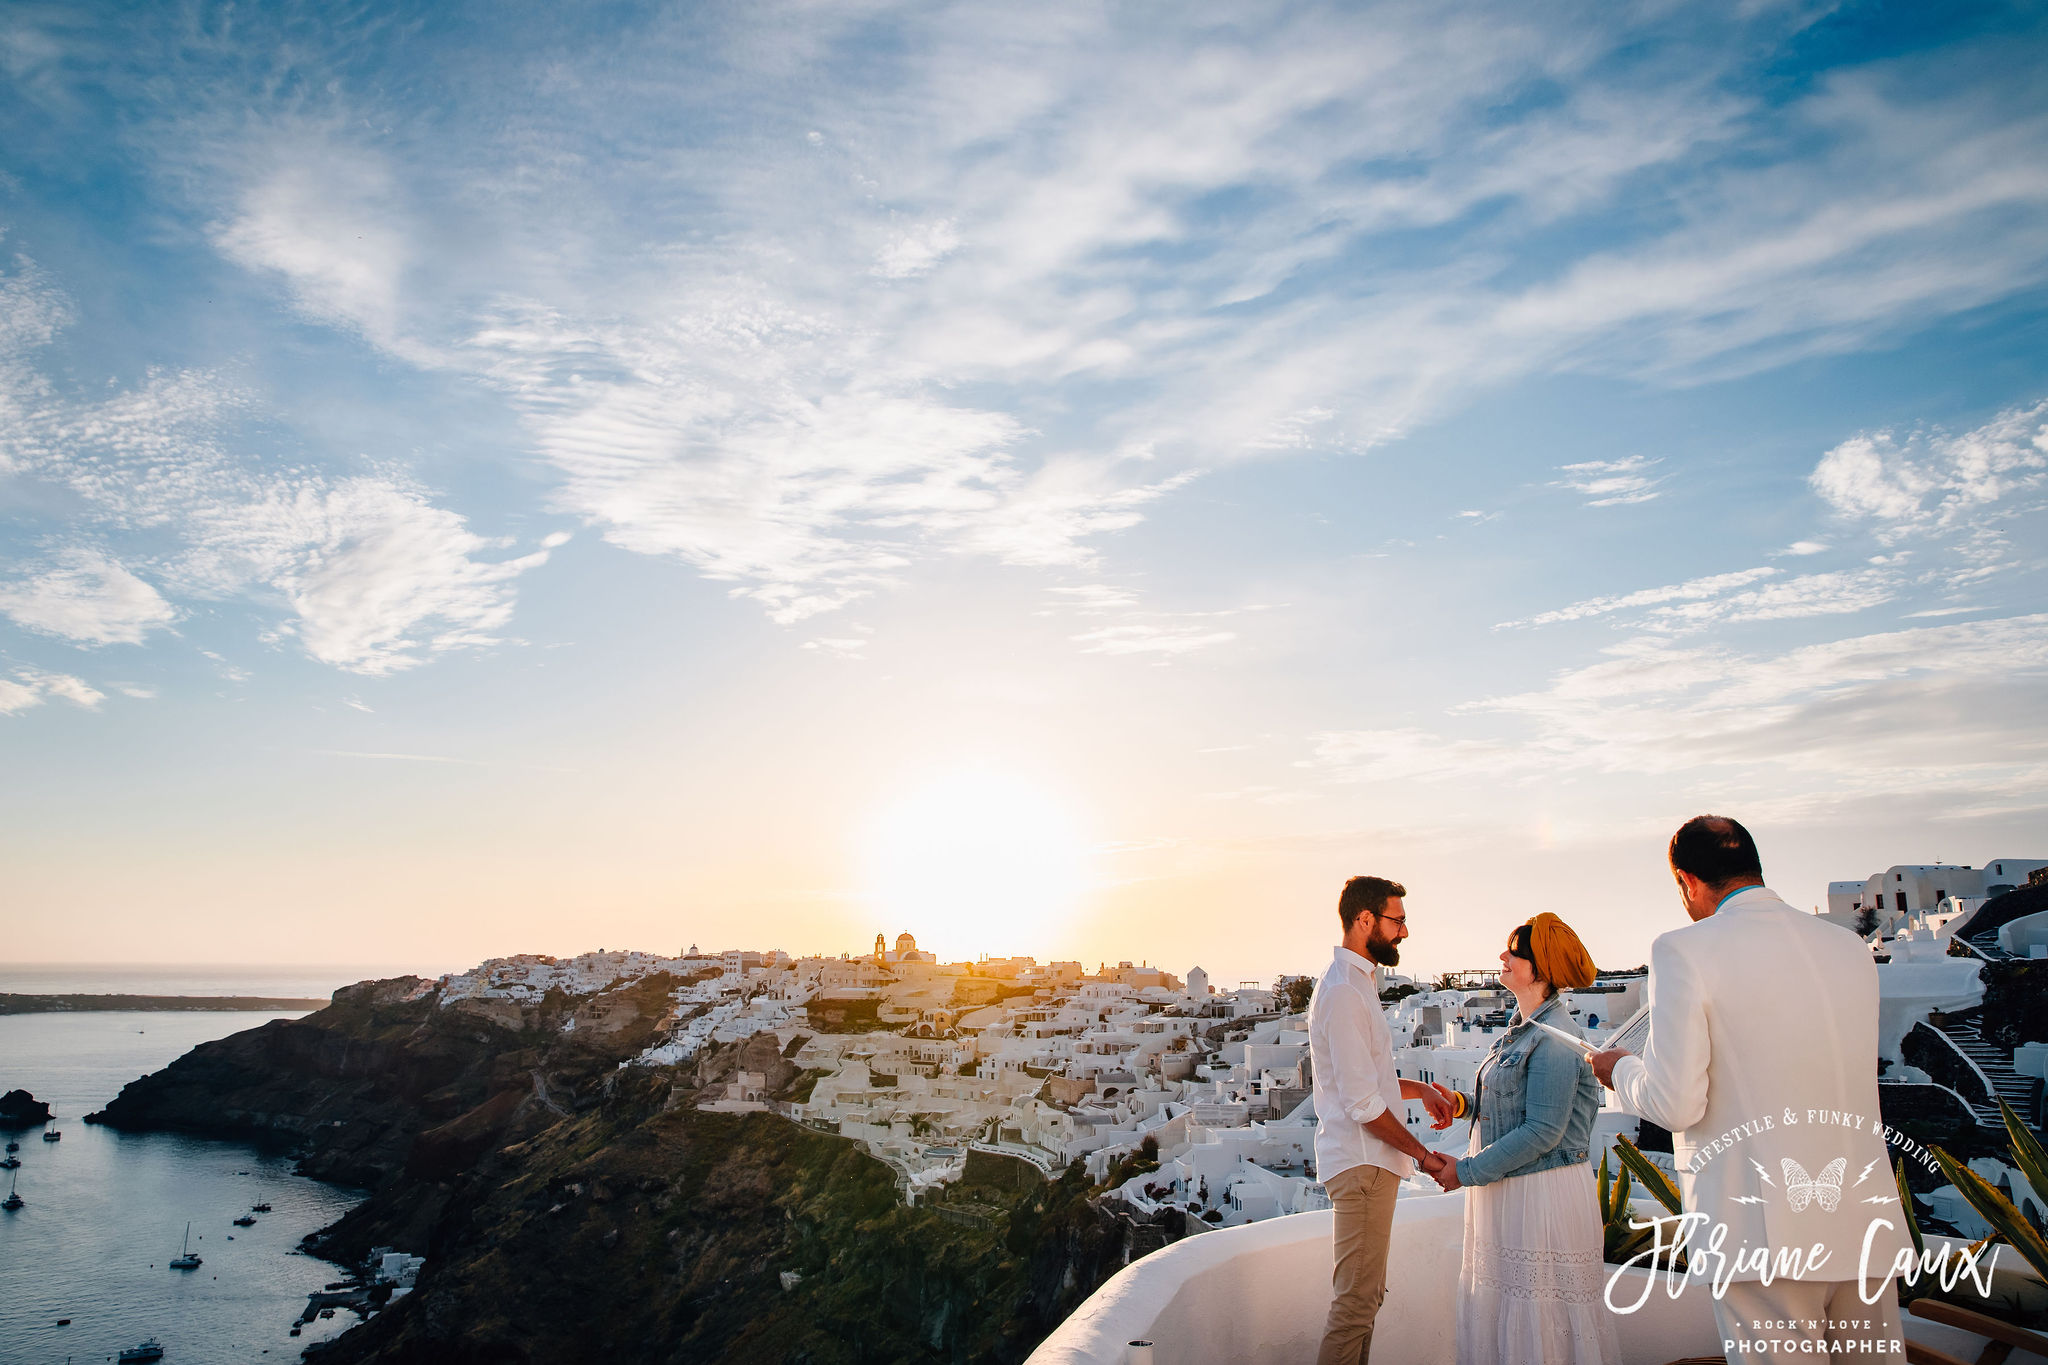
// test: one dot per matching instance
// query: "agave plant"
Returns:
(1623, 1243)
(1906, 1202)
(2008, 1224)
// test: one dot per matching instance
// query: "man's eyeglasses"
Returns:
(1401, 920)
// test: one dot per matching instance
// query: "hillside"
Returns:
(573, 1209)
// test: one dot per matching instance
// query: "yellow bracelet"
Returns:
(1458, 1108)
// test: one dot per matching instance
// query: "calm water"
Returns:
(106, 1210)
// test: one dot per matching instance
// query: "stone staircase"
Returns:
(1996, 1064)
(1986, 946)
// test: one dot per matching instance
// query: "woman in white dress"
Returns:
(1529, 1292)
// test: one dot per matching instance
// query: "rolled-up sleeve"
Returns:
(1358, 1073)
(1668, 1084)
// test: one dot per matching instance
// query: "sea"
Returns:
(106, 1211)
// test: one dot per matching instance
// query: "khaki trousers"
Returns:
(1761, 1321)
(1363, 1197)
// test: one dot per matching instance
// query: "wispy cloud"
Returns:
(1826, 594)
(1151, 637)
(230, 672)
(1957, 707)
(887, 312)
(328, 218)
(1693, 589)
(1613, 483)
(87, 598)
(373, 575)
(1929, 480)
(1131, 628)
(31, 687)
(916, 250)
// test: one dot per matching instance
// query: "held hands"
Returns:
(1443, 1169)
(1451, 1099)
(1437, 1101)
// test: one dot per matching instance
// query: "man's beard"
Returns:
(1386, 952)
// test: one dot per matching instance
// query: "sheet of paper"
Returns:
(1632, 1036)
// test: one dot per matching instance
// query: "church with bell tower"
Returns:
(906, 950)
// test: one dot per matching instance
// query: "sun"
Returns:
(978, 862)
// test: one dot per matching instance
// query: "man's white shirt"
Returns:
(1352, 1052)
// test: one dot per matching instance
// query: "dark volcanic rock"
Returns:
(572, 1209)
(19, 1109)
(648, 1231)
(356, 1086)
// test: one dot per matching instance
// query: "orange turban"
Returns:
(1560, 958)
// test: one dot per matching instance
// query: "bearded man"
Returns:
(1363, 1148)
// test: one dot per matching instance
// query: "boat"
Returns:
(151, 1349)
(10, 1163)
(247, 1220)
(53, 1136)
(13, 1201)
(13, 1146)
(259, 1208)
(187, 1259)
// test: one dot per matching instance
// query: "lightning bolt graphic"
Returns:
(1880, 1199)
(1866, 1174)
(1748, 1199)
(1761, 1172)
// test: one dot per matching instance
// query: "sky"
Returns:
(1077, 480)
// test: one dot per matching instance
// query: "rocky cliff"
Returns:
(359, 1085)
(573, 1209)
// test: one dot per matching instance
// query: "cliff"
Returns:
(573, 1209)
(357, 1086)
(647, 1230)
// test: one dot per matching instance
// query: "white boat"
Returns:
(187, 1259)
(151, 1349)
(13, 1201)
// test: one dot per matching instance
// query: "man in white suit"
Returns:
(1762, 1061)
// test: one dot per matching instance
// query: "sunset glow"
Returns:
(976, 862)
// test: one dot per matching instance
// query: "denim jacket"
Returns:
(1535, 1101)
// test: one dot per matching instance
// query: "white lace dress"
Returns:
(1530, 1289)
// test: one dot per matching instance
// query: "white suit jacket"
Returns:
(1762, 1061)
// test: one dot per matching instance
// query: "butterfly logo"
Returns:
(1801, 1188)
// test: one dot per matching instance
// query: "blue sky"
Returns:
(533, 478)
